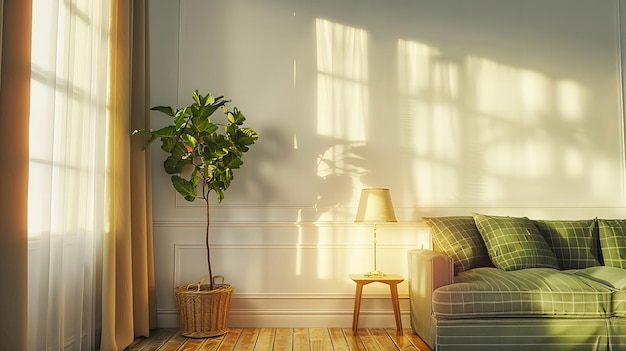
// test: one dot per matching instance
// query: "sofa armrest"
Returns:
(428, 270)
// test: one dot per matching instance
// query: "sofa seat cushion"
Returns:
(546, 292)
(614, 278)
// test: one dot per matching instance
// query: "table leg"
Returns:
(357, 306)
(396, 306)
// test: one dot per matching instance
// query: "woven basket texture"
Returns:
(203, 313)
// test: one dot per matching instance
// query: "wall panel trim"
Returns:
(298, 318)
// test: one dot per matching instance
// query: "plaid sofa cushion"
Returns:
(613, 242)
(458, 237)
(613, 277)
(492, 292)
(574, 243)
(514, 243)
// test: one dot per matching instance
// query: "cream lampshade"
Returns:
(375, 207)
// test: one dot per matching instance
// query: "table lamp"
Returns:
(375, 207)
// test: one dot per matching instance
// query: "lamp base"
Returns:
(375, 273)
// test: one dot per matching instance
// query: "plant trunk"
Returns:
(206, 242)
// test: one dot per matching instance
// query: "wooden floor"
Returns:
(281, 339)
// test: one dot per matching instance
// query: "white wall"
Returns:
(500, 107)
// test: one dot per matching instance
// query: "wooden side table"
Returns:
(390, 279)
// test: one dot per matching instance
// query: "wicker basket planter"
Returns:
(203, 313)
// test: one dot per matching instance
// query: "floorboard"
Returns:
(285, 339)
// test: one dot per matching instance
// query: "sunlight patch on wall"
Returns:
(343, 106)
(342, 114)
(478, 131)
(507, 92)
(429, 120)
(415, 67)
(571, 99)
(512, 108)
(299, 243)
(342, 91)
(534, 91)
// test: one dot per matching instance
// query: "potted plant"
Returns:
(202, 154)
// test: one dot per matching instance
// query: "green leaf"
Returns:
(243, 141)
(206, 111)
(246, 136)
(175, 147)
(201, 119)
(220, 194)
(168, 144)
(210, 100)
(189, 140)
(238, 117)
(149, 141)
(195, 178)
(218, 153)
(184, 187)
(250, 133)
(168, 131)
(164, 109)
(179, 119)
(175, 165)
(211, 128)
(196, 97)
(231, 130)
(232, 161)
(209, 170)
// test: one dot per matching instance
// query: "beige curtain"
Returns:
(128, 306)
(14, 111)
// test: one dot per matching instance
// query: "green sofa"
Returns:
(511, 283)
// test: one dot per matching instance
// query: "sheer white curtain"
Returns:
(67, 206)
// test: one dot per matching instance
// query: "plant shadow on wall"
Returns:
(202, 156)
(330, 166)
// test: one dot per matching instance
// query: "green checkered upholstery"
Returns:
(613, 242)
(619, 303)
(617, 333)
(574, 243)
(458, 237)
(530, 309)
(491, 292)
(529, 334)
(514, 243)
(613, 277)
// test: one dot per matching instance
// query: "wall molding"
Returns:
(298, 318)
(272, 224)
(182, 252)
(312, 296)
(570, 211)
(178, 248)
